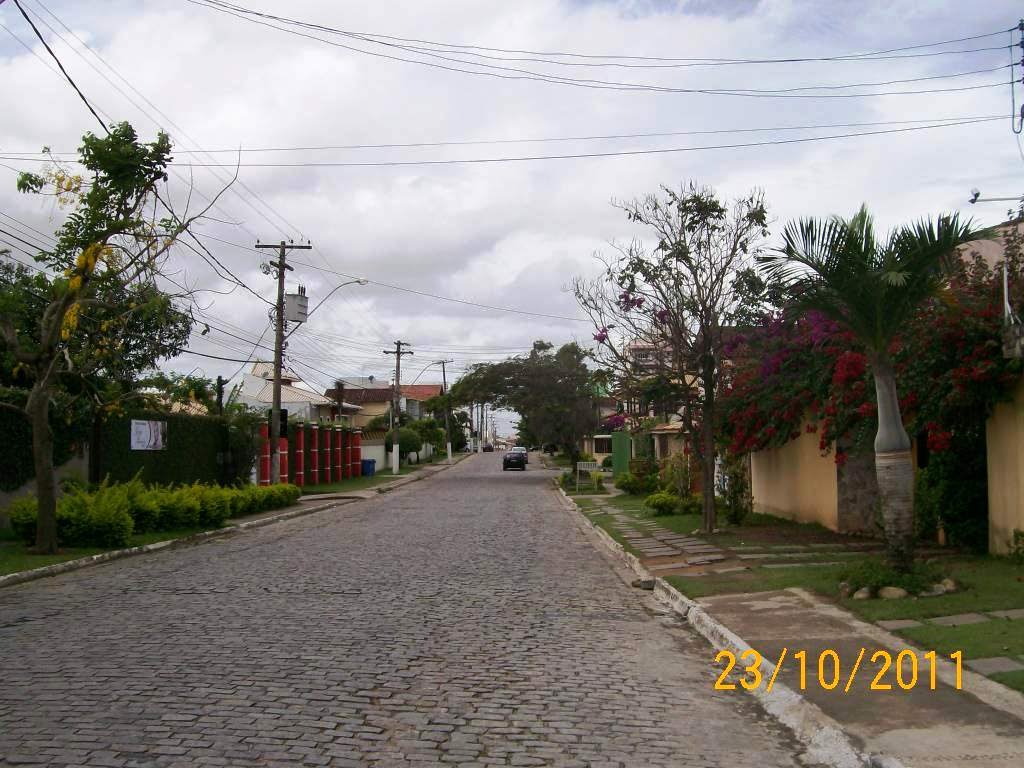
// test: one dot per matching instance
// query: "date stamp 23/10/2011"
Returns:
(904, 670)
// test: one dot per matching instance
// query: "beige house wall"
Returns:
(369, 412)
(1004, 434)
(796, 482)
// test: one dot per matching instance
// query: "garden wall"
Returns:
(1004, 434)
(197, 450)
(796, 482)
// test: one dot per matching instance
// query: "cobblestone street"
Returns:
(465, 619)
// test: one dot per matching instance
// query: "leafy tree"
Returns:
(679, 299)
(873, 288)
(180, 389)
(94, 316)
(551, 390)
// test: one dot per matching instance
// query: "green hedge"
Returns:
(16, 464)
(108, 516)
(200, 449)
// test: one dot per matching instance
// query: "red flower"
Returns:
(866, 409)
(939, 440)
(850, 366)
(841, 457)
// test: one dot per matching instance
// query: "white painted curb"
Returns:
(825, 741)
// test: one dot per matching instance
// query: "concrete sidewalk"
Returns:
(981, 725)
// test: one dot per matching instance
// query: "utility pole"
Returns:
(280, 267)
(396, 401)
(221, 381)
(339, 397)
(447, 409)
(480, 429)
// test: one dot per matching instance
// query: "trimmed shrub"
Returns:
(690, 505)
(214, 505)
(109, 522)
(606, 462)
(108, 516)
(637, 485)
(179, 509)
(146, 511)
(22, 514)
(662, 503)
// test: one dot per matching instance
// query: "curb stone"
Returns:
(824, 739)
(118, 554)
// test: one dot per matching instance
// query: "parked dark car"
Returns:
(488, 448)
(514, 460)
(520, 449)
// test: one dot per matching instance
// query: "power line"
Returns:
(576, 156)
(699, 60)
(449, 298)
(54, 55)
(596, 137)
(162, 114)
(523, 74)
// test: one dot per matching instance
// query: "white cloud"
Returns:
(504, 234)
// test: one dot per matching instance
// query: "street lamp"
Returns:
(357, 281)
(977, 198)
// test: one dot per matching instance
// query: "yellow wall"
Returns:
(795, 481)
(1005, 440)
(369, 412)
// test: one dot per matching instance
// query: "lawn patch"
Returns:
(998, 637)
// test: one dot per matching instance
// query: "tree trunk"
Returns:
(42, 457)
(894, 469)
(707, 454)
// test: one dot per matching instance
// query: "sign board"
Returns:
(148, 435)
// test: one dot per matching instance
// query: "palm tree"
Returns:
(873, 288)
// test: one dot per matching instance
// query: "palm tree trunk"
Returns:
(894, 469)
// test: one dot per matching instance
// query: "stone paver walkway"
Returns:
(922, 727)
(463, 620)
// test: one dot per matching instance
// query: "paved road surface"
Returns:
(461, 620)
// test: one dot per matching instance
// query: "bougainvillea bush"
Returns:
(792, 374)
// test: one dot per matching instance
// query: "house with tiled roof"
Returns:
(297, 397)
(375, 401)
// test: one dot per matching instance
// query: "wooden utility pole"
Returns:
(280, 267)
(396, 400)
(447, 409)
(339, 397)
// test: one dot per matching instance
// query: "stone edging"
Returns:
(823, 737)
(84, 562)
(117, 554)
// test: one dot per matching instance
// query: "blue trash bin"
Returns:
(369, 467)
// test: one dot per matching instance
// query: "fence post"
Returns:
(314, 454)
(300, 454)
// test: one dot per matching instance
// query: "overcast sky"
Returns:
(506, 234)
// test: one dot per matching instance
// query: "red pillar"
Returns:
(357, 454)
(300, 454)
(282, 447)
(325, 453)
(338, 455)
(263, 477)
(314, 456)
(346, 453)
